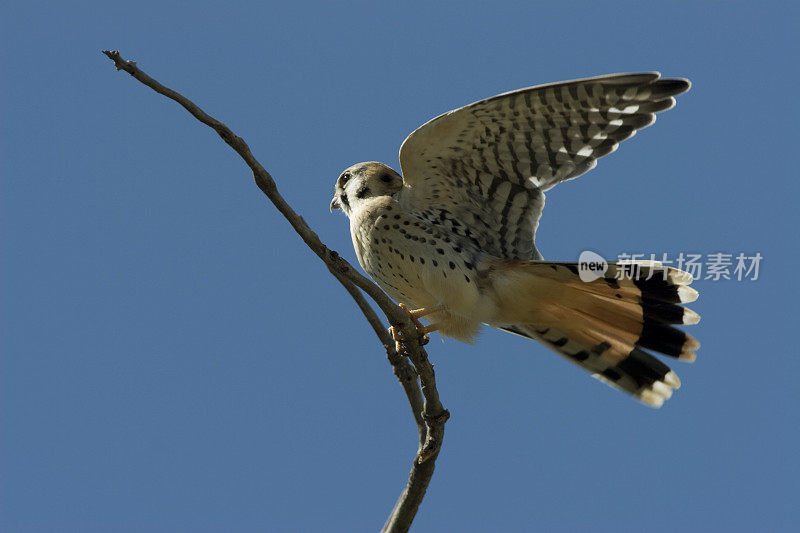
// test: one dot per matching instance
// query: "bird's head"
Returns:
(362, 182)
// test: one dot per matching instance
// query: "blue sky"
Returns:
(175, 359)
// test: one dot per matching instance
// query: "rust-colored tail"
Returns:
(606, 325)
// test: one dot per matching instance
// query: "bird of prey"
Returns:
(452, 239)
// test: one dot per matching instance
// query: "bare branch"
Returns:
(432, 416)
(405, 373)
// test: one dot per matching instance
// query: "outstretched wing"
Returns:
(487, 164)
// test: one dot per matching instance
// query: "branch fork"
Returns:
(408, 358)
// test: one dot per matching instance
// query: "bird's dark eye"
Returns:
(344, 177)
(386, 178)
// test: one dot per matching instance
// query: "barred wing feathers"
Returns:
(488, 163)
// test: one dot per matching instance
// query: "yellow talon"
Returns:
(422, 329)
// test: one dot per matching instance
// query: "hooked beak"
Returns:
(335, 204)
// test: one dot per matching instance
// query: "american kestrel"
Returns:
(453, 238)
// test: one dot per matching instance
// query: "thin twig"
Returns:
(434, 415)
(405, 373)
